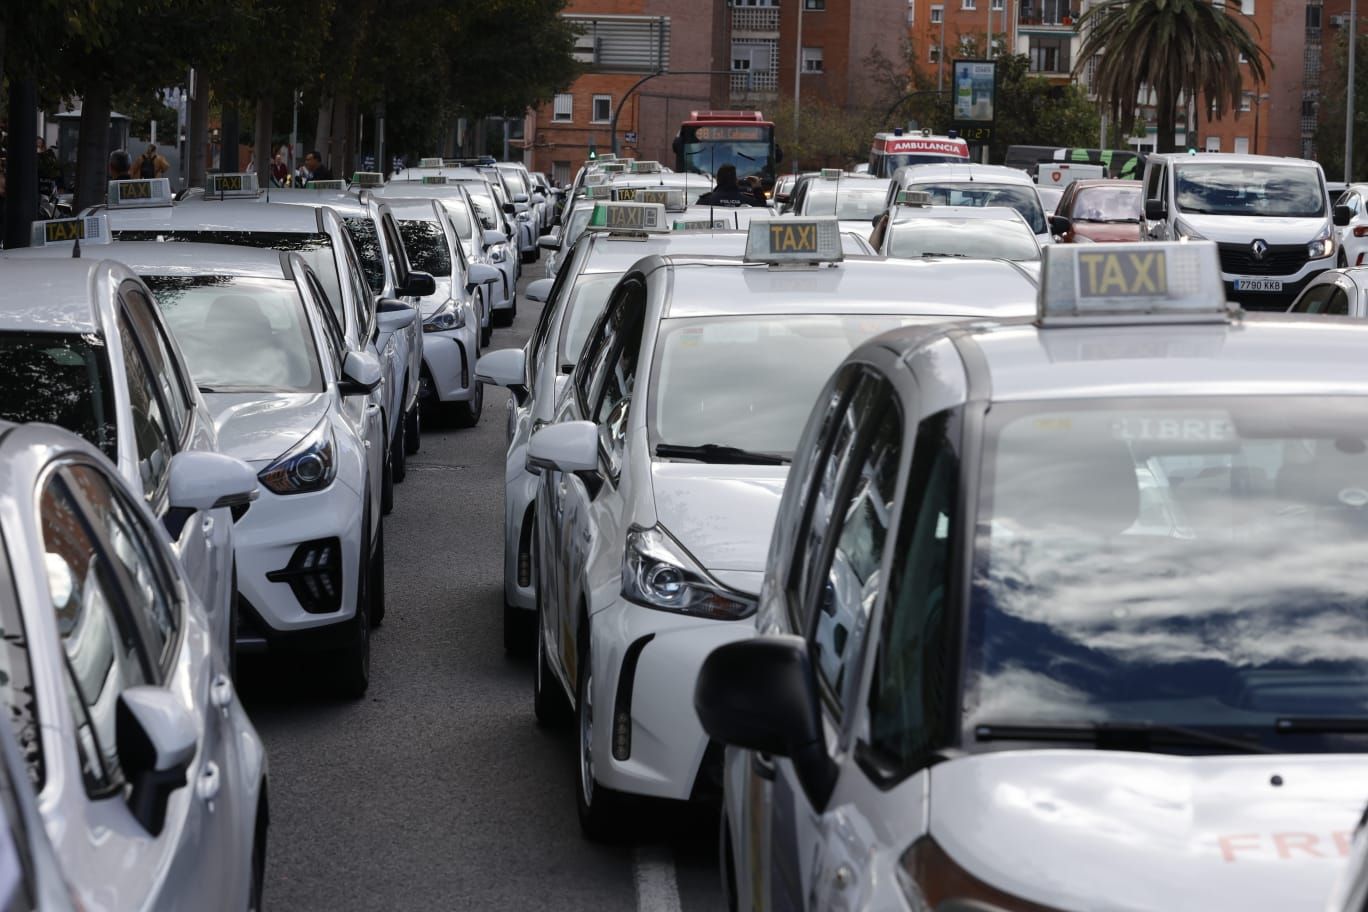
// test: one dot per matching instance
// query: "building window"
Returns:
(814, 5)
(1213, 144)
(1308, 107)
(968, 4)
(812, 60)
(1313, 16)
(1242, 145)
(937, 15)
(911, 11)
(563, 108)
(560, 173)
(935, 54)
(1050, 54)
(603, 108)
(770, 3)
(1247, 7)
(995, 5)
(1245, 101)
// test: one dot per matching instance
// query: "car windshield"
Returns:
(749, 381)
(979, 193)
(367, 241)
(586, 303)
(316, 249)
(1283, 191)
(240, 334)
(426, 246)
(579, 218)
(1187, 562)
(859, 203)
(1107, 204)
(61, 379)
(977, 238)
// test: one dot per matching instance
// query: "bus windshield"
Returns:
(750, 149)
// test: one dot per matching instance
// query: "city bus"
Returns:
(710, 139)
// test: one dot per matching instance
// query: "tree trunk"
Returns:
(262, 141)
(323, 135)
(230, 132)
(344, 137)
(21, 174)
(1166, 96)
(92, 147)
(197, 134)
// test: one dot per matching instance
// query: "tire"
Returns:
(376, 596)
(258, 884)
(413, 429)
(467, 414)
(387, 488)
(727, 864)
(487, 333)
(351, 663)
(602, 811)
(502, 318)
(548, 700)
(399, 454)
(517, 632)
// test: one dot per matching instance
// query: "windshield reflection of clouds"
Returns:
(1197, 581)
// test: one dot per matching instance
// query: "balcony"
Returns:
(1048, 15)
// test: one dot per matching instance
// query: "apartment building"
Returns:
(1043, 30)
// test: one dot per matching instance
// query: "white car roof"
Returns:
(217, 215)
(904, 214)
(1230, 158)
(955, 173)
(41, 294)
(615, 254)
(190, 259)
(343, 202)
(935, 287)
(413, 208)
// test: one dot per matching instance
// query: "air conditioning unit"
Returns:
(586, 49)
(1338, 21)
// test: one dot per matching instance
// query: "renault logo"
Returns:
(1259, 249)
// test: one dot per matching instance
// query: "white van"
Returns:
(1270, 218)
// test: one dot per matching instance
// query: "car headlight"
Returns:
(1322, 247)
(497, 254)
(1186, 232)
(309, 465)
(448, 316)
(658, 573)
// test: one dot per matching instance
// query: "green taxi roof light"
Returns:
(628, 218)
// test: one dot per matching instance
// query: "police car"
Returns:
(976, 185)
(1062, 614)
(664, 465)
(245, 218)
(854, 199)
(915, 228)
(85, 347)
(150, 779)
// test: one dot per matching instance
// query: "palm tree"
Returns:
(1177, 48)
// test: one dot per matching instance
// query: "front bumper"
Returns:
(449, 362)
(662, 653)
(1273, 301)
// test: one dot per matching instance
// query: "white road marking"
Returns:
(656, 887)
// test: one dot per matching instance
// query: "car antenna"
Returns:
(76, 249)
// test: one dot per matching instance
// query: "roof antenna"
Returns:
(76, 249)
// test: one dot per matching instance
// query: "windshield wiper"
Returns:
(933, 253)
(1329, 725)
(1117, 735)
(716, 453)
(206, 389)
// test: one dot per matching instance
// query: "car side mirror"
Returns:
(492, 237)
(393, 315)
(478, 274)
(419, 285)
(201, 480)
(549, 241)
(520, 197)
(510, 208)
(506, 367)
(538, 198)
(761, 694)
(539, 290)
(155, 736)
(1060, 225)
(361, 373)
(1155, 210)
(1343, 215)
(569, 447)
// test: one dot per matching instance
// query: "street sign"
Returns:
(630, 138)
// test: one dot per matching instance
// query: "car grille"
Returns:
(1281, 260)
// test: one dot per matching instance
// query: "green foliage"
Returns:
(1333, 104)
(1175, 47)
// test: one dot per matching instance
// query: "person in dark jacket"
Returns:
(728, 192)
(313, 163)
(120, 165)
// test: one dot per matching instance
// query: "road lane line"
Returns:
(656, 887)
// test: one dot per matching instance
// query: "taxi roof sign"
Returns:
(672, 200)
(1171, 282)
(434, 162)
(700, 224)
(331, 184)
(368, 179)
(598, 192)
(434, 178)
(628, 218)
(831, 174)
(645, 167)
(126, 194)
(231, 185)
(89, 229)
(614, 168)
(794, 240)
(914, 198)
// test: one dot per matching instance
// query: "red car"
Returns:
(1100, 211)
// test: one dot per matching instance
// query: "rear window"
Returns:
(426, 246)
(61, 379)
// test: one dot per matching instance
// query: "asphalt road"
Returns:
(438, 791)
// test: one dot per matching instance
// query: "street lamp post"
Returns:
(1349, 98)
(1258, 105)
(797, 77)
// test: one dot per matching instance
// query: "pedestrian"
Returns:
(280, 172)
(151, 163)
(49, 169)
(313, 164)
(120, 165)
(728, 192)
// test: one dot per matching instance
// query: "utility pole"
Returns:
(797, 76)
(940, 57)
(294, 132)
(1349, 99)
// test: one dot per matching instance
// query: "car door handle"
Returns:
(209, 783)
(221, 691)
(762, 766)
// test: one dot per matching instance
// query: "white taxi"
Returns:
(663, 468)
(854, 199)
(1062, 614)
(976, 185)
(916, 228)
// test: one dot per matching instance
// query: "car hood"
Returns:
(723, 514)
(429, 304)
(1241, 229)
(259, 427)
(1107, 232)
(1113, 831)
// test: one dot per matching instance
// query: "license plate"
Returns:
(1258, 285)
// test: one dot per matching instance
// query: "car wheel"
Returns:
(600, 809)
(258, 885)
(351, 663)
(730, 888)
(376, 595)
(413, 429)
(399, 454)
(387, 487)
(467, 414)
(548, 700)
(502, 317)
(487, 332)
(1343, 260)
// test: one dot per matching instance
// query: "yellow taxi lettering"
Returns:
(1113, 278)
(1148, 279)
(136, 190)
(1093, 261)
(793, 238)
(63, 231)
(1122, 275)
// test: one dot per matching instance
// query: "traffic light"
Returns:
(593, 150)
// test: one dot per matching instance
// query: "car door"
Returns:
(393, 363)
(399, 267)
(120, 623)
(1156, 189)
